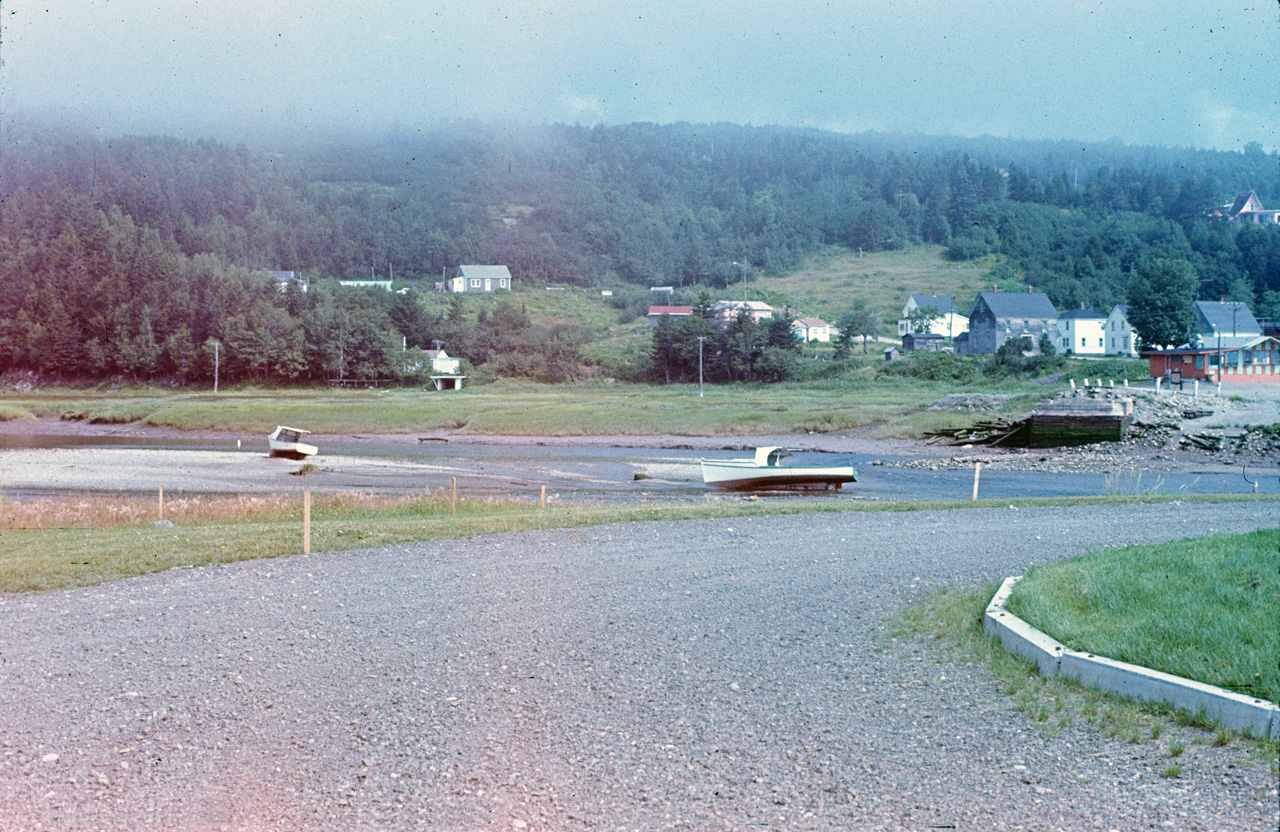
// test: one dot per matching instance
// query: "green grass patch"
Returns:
(954, 620)
(1204, 609)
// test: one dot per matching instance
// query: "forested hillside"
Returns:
(128, 256)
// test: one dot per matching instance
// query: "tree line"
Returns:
(133, 256)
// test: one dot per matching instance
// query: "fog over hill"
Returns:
(1144, 72)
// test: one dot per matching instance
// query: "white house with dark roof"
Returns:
(656, 313)
(1248, 209)
(951, 324)
(481, 279)
(1119, 333)
(1081, 332)
(998, 316)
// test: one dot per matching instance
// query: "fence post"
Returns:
(544, 496)
(977, 471)
(453, 496)
(162, 504)
(306, 522)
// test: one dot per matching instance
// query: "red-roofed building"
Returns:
(656, 313)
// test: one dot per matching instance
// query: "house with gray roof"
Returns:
(481, 279)
(1229, 321)
(998, 316)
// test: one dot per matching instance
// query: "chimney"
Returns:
(1082, 304)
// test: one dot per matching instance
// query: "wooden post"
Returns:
(544, 496)
(453, 496)
(162, 504)
(977, 471)
(306, 522)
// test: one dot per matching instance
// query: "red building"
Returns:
(1248, 360)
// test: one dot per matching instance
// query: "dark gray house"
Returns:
(998, 316)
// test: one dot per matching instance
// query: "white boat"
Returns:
(287, 442)
(764, 471)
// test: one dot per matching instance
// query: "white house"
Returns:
(384, 285)
(725, 311)
(480, 279)
(1081, 332)
(1119, 333)
(811, 329)
(950, 324)
(283, 279)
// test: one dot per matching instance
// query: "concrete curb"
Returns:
(1233, 710)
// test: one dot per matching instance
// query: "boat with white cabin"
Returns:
(764, 471)
(287, 442)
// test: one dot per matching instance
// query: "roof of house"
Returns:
(1017, 304)
(1230, 317)
(1210, 347)
(811, 322)
(943, 303)
(1122, 308)
(670, 310)
(1082, 313)
(491, 272)
(1242, 200)
(753, 305)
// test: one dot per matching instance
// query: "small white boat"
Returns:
(287, 442)
(763, 471)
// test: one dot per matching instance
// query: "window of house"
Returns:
(1099, 342)
(475, 282)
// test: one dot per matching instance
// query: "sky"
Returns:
(1185, 73)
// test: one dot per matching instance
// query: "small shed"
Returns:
(923, 341)
(891, 354)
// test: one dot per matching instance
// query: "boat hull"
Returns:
(296, 450)
(731, 477)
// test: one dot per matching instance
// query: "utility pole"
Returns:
(744, 280)
(701, 338)
(216, 346)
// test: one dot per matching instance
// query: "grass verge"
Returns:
(954, 618)
(1203, 609)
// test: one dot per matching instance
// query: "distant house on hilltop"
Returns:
(725, 312)
(656, 313)
(998, 316)
(480, 279)
(1248, 209)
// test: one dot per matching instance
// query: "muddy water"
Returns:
(32, 465)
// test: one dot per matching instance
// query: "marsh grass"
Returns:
(1204, 609)
(9, 413)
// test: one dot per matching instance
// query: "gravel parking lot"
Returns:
(710, 675)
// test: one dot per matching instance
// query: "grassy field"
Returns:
(857, 399)
(1204, 609)
(827, 283)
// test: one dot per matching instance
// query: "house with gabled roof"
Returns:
(725, 312)
(1227, 319)
(951, 324)
(811, 329)
(1248, 209)
(1121, 339)
(1081, 332)
(480, 279)
(995, 317)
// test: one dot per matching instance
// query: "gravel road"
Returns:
(708, 675)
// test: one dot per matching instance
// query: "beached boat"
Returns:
(287, 442)
(764, 471)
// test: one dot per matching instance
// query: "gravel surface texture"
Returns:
(708, 675)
